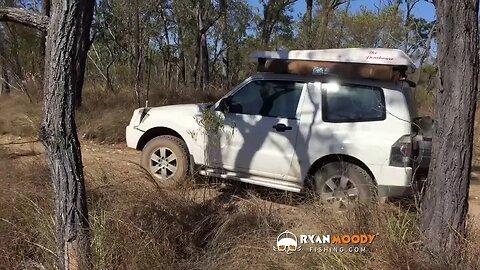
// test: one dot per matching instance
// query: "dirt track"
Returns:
(106, 162)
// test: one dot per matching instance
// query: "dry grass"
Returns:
(26, 225)
(18, 117)
(138, 225)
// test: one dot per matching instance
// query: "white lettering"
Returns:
(326, 239)
(303, 239)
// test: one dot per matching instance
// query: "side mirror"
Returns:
(224, 104)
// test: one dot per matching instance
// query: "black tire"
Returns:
(172, 145)
(331, 184)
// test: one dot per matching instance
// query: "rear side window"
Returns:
(352, 103)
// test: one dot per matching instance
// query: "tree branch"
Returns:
(24, 17)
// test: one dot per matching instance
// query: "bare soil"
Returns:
(118, 162)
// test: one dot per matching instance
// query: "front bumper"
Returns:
(133, 135)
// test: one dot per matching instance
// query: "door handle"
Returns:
(281, 127)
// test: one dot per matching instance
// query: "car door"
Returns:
(261, 127)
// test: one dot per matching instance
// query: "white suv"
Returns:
(345, 139)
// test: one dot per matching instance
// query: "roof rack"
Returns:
(378, 63)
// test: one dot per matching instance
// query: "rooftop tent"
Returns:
(353, 63)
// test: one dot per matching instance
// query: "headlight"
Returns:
(136, 117)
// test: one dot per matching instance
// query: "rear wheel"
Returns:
(166, 159)
(341, 184)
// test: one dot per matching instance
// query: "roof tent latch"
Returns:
(261, 64)
(402, 71)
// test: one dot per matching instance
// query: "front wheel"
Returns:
(166, 159)
(341, 184)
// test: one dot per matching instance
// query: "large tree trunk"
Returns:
(445, 204)
(67, 30)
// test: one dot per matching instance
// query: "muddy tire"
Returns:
(166, 158)
(341, 184)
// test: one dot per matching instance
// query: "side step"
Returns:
(256, 180)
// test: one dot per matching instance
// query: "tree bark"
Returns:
(84, 43)
(67, 30)
(309, 21)
(24, 17)
(204, 58)
(204, 23)
(138, 52)
(445, 203)
(227, 44)
(182, 78)
(198, 58)
(4, 77)
(45, 12)
(43, 36)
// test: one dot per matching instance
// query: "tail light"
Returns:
(401, 153)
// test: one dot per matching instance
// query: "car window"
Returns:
(267, 98)
(352, 103)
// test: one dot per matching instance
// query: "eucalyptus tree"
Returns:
(67, 30)
(445, 203)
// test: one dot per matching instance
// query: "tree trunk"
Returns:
(138, 56)
(409, 5)
(445, 203)
(46, 4)
(84, 42)
(67, 30)
(204, 61)
(265, 25)
(4, 77)
(341, 37)
(182, 76)
(326, 10)
(227, 45)
(43, 37)
(309, 20)
(198, 58)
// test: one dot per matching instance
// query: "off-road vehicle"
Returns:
(339, 121)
